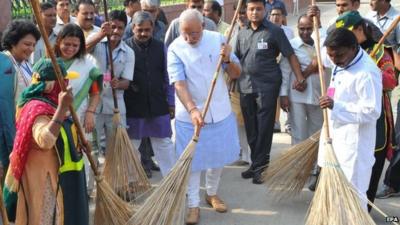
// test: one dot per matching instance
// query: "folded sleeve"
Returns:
(42, 135)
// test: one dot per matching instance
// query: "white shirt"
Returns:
(60, 24)
(196, 65)
(384, 22)
(352, 121)
(305, 54)
(124, 63)
(288, 32)
(40, 48)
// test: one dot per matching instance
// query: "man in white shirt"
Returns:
(123, 62)
(305, 113)
(354, 100)
(48, 14)
(382, 15)
(213, 11)
(63, 15)
(85, 17)
(276, 17)
(192, 62)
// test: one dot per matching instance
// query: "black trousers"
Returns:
(146, 152)
(392, 176)
(377, 169)
(259, 117)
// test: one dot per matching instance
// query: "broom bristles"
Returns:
(335, 200)
(165, 206)
(123, 168)
(287, 175)
(110, 209)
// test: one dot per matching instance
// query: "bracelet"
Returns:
(90, 111)
(59, 122)
(191, 110)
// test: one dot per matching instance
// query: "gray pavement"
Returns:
(249, 204)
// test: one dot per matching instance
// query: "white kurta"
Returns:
(352, 121)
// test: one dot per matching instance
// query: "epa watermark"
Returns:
(390, 219)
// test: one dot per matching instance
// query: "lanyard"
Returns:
(114, 58)
(336, 70)
(26, 68)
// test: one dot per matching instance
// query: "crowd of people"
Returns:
(161, 74)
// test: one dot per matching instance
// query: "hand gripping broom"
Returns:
(166, 205)
(123, 169)
(115, 210)
(335, 200)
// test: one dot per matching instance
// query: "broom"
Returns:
(335, 200)
(122, 169)
(288, 174)
(166, 205)
(113, 208)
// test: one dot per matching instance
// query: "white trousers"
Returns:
(164, 152)
(213, 176)
(305, 120)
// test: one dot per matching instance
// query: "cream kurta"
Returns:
(352, 121)
(40, 180)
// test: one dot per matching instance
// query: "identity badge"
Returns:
(330, 92)
(106, 79)
(262, 45)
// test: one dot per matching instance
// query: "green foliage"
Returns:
(21, 9)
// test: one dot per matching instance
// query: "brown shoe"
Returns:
(193, 216)
(216, 203)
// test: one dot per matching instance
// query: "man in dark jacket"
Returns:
(149, 98)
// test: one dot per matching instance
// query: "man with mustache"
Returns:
(123, 62)
(85, 10)
(149, 98)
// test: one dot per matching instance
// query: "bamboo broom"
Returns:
(123, 169)
(287, 175)
(335, 200)
(114, 209)
(166, 205)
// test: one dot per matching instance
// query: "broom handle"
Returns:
(60, 79)
(219, 64)
(110, 57)
(4, 216)
(321, 73)
(387, 32)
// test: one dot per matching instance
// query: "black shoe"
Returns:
(258, 178)
(149, 174)
(154, 166)
(248, 173)
(313, 184)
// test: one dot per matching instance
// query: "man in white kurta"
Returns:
(354, 99)
(192, 62)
